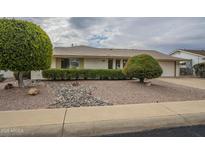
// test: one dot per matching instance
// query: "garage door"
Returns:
(168, 69)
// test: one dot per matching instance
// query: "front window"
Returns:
(74, 63)
(65, 63)
(70, 63)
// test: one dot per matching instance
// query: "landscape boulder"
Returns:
(33, 91)
(8, 86)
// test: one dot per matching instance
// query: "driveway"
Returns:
(189, 82)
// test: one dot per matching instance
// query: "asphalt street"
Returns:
(189, 131)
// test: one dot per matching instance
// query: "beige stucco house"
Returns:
(85, 57)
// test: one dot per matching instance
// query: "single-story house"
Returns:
(85, 57)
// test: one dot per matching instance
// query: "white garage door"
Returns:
(168, 69)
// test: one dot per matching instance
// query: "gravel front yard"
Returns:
(17, 99)
(90, 93)
(132, 92)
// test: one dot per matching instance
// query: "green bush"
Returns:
(76, 74)
(26, 75)
(142, 67)
(24, 46)
(200, 70)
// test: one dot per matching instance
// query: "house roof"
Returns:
(86, 51)
(198, 52)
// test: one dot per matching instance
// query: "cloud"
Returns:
(85, 22)
(164, 34)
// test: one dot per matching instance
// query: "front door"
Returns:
(110, 63)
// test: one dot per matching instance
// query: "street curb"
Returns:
(132, 125)
(122, 126)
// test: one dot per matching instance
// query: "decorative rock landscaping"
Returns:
(75, 95)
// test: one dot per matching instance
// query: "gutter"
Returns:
(116, 57)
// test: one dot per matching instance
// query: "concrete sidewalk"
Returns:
(96, 121)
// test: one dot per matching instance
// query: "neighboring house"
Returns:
(85, 57)
(193, 57)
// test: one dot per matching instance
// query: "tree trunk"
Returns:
(141, 80)
(20, 80)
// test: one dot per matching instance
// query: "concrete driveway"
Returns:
(189, 82)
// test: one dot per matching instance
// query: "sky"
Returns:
(162, 34)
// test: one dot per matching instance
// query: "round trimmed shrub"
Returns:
(24, 46)
(142, 67)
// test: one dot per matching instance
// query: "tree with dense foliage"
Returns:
(142, 67)
(24, 47)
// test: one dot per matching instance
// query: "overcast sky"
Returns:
(163, 34)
